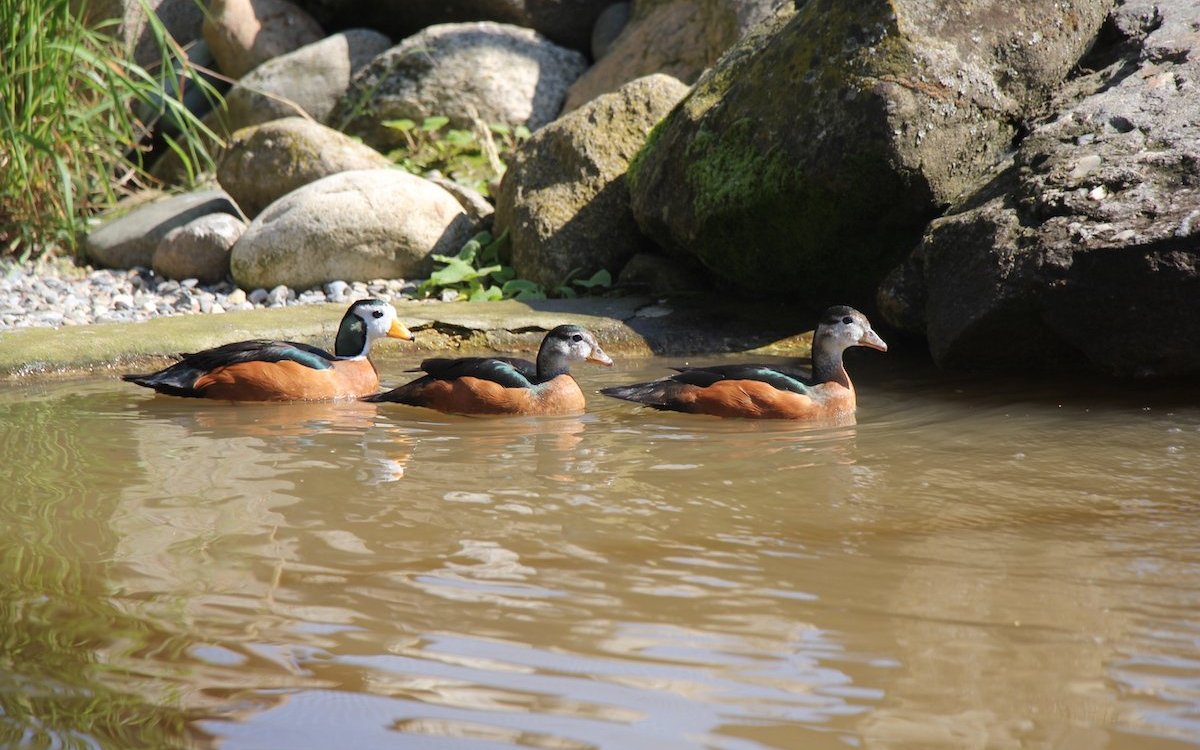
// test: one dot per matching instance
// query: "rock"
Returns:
(130, 239)
(365, 224)
(565, 22)
(198, 250)
(678, 37)
(656, 275)
(294, 151)
(243, 34)
(814, 153)
(1082, 250)
(467, 72)
(311, 79)
(609, 25)
(182, 19)
(564, 201)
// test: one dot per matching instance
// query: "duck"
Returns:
(767, 391)
(264, 370)
(505, 385)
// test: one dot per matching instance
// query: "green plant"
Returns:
(478, 274)
(471, 157)
(71, 139)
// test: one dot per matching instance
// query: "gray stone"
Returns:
(565, 22)
(199, 250)
(469, 72)
(182, 19)
(678, 37)
(811, 157)
(564, 201)
(308, 80)
(1082, 250)
(364, 224)
(130, 238)
(243, 34)
(609, 25)
(657, 276)
(293, 151)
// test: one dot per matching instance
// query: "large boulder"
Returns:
(309, 80)
(243, 34)
(294, 151)
(467, 72)
(128, 239)
(564, 200)
(808, 160)
(365, 224)
(565, 22)
(1084, 250)
(678, 37)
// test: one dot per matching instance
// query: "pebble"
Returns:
(57, 293)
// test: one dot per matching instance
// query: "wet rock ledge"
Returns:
(628, 326)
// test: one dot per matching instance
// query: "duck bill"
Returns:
(598, 357)
(397, 331)
(872, 340)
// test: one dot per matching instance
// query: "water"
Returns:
(974, 564)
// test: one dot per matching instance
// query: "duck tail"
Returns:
(657, 393)
(175, 380)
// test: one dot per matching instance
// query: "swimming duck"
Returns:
(262, 370)
(505, 385)
(766, 391)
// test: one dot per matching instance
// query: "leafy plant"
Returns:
(471, 157)
(71, 139)
(478, 274)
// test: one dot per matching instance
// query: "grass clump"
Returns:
(477, 274)
(73, 144)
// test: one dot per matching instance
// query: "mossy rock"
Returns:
(809, 159)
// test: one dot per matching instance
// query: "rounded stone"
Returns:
(198, 250)
(363, 224)
(294, 151)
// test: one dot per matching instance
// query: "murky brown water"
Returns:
(975, 564)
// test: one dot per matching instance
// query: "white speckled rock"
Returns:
(491, 71)
(363, 224)
(199, 249)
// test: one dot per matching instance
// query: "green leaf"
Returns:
(434, 124)
(601, 278)
(403, 125)
(486, 294)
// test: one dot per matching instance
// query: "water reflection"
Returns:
(970, 565)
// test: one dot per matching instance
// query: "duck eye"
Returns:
(577, 337)
(847, 320)
(379, 314)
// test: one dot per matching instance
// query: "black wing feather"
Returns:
(509, 372)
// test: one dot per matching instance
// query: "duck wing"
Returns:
(509, 372)
(782, 378)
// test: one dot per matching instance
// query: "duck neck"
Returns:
(828, 366)
(550, 364)
(351, 341)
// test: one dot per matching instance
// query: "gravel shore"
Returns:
(58, 293)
